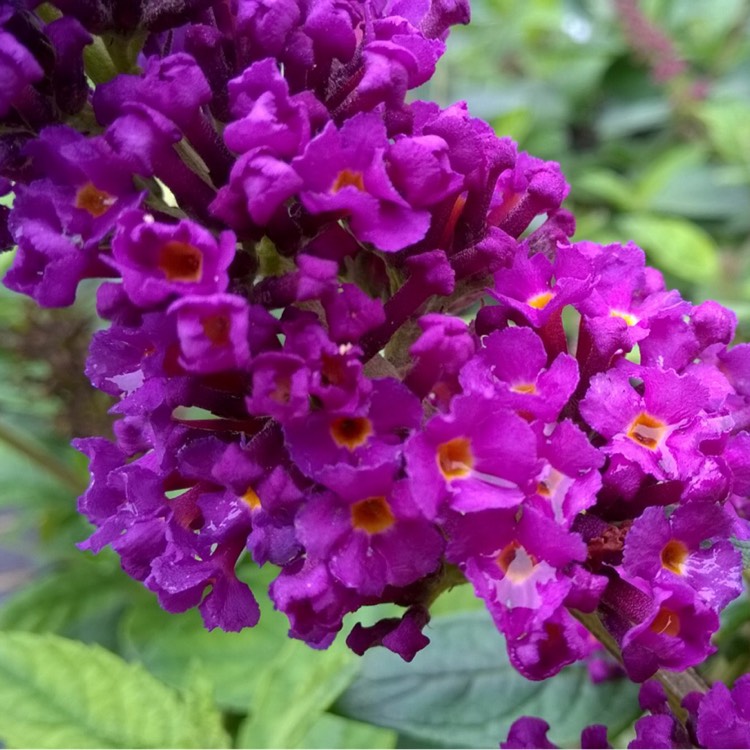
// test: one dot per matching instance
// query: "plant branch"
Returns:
(41, 457)
(676, 684)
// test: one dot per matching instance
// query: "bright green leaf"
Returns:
(605, 185)
(293, 692)
(170, 645)
(727, 128)
(674, 245)
(461, 691)
(666, 167)
(59, 693)
(336, 731)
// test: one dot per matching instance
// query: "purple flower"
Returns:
(656, 430)
(330, 446)
(724, 716)
(539, 650)
(18, 67)
(259, 184)
(569, 481)
(313, 600)
(442, 349)
(213, 332)
(403, 635)
(527, 732)
(530, 188)
(60, 219)
(515, 561)
(477, 457)
(344, 174)
(689, 547)
(371, 533)
(265, 115)
(159, 261)
(668, 627)
(510, 369)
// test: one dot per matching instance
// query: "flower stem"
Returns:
(676, 684)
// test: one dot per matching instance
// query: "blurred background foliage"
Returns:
(646, 107)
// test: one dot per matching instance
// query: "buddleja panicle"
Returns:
(366, 294)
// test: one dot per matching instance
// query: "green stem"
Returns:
(676, 684)
(41, 457)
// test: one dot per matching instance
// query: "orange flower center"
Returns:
(673, 556)
(455, 459)
(372, 515)
(251, 498)
(351, 432)
(516, 562)
(181, 261)
(92, 200)
(523, 388)
(540, 301)
(647, 431)
(666, 621)
(348, 178)
(216, 328)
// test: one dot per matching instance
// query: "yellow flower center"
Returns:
(673, 556)
(455, 459)
(540, 301)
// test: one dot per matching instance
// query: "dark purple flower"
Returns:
(159, 261)
(344, 174)
(313, 600)
(527, 732)
(724, 715)
(371, 533)
(402, 635)
(213, 332)
(510, 368)
(18, 68)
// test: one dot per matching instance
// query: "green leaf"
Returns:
(674, 245)
(172, 644)
(726, 122)
(664, 168)
(336, 731)
(626, 118)
(64, 598)
(294, 691)
(461, 691)
(743, 545)
(59, 693)
(704, 192)
(605, 185)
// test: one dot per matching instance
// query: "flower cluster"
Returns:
(350, 334)
(717, 719)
